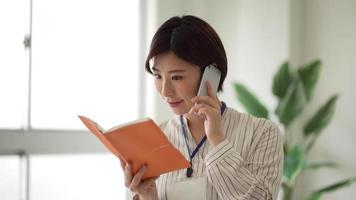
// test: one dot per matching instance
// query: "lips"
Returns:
(174, 103)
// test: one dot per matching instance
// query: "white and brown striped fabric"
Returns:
(247, 165)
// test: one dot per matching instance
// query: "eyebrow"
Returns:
(171, 72)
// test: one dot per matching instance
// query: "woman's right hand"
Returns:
(146, 190)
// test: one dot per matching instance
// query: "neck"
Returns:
(196, 126)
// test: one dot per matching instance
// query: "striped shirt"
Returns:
(248, 164)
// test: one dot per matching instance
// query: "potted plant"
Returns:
(294, 90)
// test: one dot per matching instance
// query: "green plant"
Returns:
(294, 90)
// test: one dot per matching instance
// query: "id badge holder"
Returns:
(191, 189)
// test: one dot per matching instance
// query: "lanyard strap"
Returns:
(202, 141)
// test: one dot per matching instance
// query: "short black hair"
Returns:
(191, 39)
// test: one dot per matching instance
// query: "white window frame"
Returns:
(33, 141)
(29, 141)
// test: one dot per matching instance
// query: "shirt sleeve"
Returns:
(257, 177)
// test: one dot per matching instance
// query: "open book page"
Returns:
(125, 124)
(96, 129)
(101, 129)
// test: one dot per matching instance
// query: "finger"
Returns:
(206, 100)
(123, 164)
(148, 182)
(212, 93)
(196, 107)
(191, 110)
(146, 185)
(199, 114)
(128, 174)
(196, 110)
(137, 178)
(205, 112)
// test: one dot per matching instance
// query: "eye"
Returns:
(177, 77)
(157, 76)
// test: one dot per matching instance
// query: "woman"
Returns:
(233, 155)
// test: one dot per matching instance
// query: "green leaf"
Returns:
(317, 165)
(250, 101)
(314, 197)
(322, 118)
(293, 163)
(281, 81)
(332, 188)
(337, 185)
(309, 75)
(292, 104)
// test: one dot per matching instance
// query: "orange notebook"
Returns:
(140, 142)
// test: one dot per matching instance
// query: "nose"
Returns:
(167, 88)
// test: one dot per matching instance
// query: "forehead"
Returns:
(169, 61)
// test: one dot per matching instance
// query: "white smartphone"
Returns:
(212, 74)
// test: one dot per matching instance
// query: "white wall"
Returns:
(255, 36)
(260, 35)
(329, 33)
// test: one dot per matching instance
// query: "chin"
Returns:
(178, 111)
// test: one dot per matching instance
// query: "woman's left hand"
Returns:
(209, 107)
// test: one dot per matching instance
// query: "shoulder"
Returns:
(163, 125)
(169, 124)
(256, 124)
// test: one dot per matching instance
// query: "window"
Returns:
(60, 59)
(13, 66)
(61, 177)
(10, 177)
(84, 61)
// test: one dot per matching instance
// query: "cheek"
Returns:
(190, 89)
(194, 87)
(158, 85)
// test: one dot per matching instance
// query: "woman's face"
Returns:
(176, 80)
